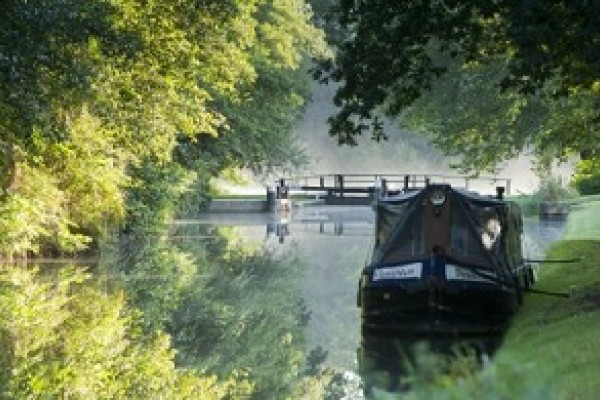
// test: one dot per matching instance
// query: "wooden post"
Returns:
(283, 201)
(271, 202)
(340, 183)
(500, 192)
(282, 190)
(338, 228)
(376, 190)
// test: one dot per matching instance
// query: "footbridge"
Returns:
(349, 189)
(362, 189)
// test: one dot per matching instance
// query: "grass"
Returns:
(584, 221)
(559, 337)
(551, 350)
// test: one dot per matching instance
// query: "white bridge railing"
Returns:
(357, 184)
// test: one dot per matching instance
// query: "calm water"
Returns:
(333, 245)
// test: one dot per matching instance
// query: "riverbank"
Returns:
(550, 351)
(556, 338)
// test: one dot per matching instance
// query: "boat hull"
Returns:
(437, 307)
(444, 260)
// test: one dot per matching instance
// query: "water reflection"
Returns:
(333, 245)
(538, 235)
(232, 309)
(394, 363)
(278, 310)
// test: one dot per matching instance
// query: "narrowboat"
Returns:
(445, 260)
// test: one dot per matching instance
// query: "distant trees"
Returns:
(97, 96)
(483, 78)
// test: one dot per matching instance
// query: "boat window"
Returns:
(408, 242)
(388, 217)
(472, 240)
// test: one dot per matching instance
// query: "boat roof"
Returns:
(412, 194)
(400, 232)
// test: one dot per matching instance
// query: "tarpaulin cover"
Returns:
(484, 231)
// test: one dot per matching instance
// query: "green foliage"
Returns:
(110, 112)
(68, 191)
(32, 213)
(551, 189)
(260, 121)
(464, 117)
(244, 318)
(261, 124)
(98, 94)
(62, 337)
(506, 380)
(232, 309)
(548, 327)
(90, 171)
(587, 177)
(154, 193)
(155, 276)
(243, 313)
(485, 79)
(461, 372)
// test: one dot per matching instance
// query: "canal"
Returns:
(330, 245)
(265, 303)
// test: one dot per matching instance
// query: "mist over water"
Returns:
(403, 153)
(333, 244)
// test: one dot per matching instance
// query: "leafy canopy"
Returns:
(97, 96)
(393, 53)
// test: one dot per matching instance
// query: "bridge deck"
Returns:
(345, 189)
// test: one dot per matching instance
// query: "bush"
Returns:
(587, 177)
(551, 189)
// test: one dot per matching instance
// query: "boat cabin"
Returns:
(445, 253)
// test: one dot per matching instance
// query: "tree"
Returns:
(89, 89)
(97, 95)
(260, 121)
(394, 52)
(463, 115)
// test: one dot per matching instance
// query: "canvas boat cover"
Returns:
(482, 231)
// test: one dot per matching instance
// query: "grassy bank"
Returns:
(558, 337)
(550, 351)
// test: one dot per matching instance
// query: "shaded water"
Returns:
(267, 297)
(332, 244)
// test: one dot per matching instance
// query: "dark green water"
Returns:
(331, 246)
(270, 299)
